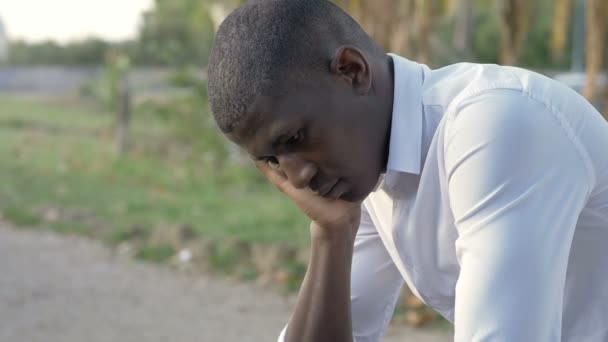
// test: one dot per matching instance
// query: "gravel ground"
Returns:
(56, 288)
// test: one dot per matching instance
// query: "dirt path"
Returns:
(67, 289)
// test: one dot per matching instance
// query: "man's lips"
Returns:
(325, 189)
(337, 190)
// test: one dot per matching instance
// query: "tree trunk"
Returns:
(514, 18)
(560, 26)
(401, 33)
(596, 11)
(424, 13)
(463, 26)
(389, 22)
(123, 115)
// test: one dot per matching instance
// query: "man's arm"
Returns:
(517, 184)
(322, 311)
(374, 285)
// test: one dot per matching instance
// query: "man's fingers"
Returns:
(280, 181)
(273, 177)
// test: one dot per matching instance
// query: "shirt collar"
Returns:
(405, 146)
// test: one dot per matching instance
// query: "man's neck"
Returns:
(386, 94)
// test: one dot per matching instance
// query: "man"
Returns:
(484, 188)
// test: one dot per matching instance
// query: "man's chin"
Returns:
(357, 193)
(355, 196)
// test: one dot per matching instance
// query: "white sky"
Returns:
(65, 20)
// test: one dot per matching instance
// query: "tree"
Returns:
(560, 28)
(85, 52)
(514, 20)
(424, 20)
(596, 13)
(462, 38)
(175, 33)
(390, 22)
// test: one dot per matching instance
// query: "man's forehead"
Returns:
(258, 132)
(268, 117)
(259, 117)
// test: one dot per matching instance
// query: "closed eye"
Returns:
(294, 139)
(272, 161)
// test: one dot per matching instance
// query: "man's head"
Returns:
(299, 85)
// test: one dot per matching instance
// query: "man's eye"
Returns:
(294, 139)
(273, 163)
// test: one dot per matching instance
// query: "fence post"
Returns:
(123, 114)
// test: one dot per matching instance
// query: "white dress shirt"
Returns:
(493, 208)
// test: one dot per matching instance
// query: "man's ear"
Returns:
(350, 64)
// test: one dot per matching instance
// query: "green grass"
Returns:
(20, 216)
(157, 254)
(59, 171)
(61, 155)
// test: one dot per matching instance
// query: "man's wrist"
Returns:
(337, 236)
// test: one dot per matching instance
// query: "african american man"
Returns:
(484, 188)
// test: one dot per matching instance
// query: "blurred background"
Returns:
(105, 130)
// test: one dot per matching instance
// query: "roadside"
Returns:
(65, 288)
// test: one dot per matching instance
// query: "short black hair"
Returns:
(265, 43)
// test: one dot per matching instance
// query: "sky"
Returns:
(68, 20)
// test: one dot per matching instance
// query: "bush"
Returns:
(189, 119)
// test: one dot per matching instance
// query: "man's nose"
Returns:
(299, 172)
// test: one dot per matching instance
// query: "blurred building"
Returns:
(3, 42)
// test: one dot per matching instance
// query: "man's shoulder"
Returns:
(450, 85)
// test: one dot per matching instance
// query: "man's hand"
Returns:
(330, 218)
(322, 311)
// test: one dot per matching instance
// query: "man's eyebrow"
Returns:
(285, 132)
(278, 139)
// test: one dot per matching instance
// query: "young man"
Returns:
(484, 188)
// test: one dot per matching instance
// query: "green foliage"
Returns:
(190, 121)
(176, 33)
(104, 87)
(61, 156)
(179, 33)
(65, 227)
(156, 254)
(486, 36)
(295, 271)
(21, 216)
(248, 273)
(224, 258)
(173, 33)
(85, 52)
(536, 51)
(130, 233)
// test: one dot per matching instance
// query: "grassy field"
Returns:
(60, 170)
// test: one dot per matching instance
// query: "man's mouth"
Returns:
(332, 190)
(326, 188)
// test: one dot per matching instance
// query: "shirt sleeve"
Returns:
(516, 184)
(375, 284)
